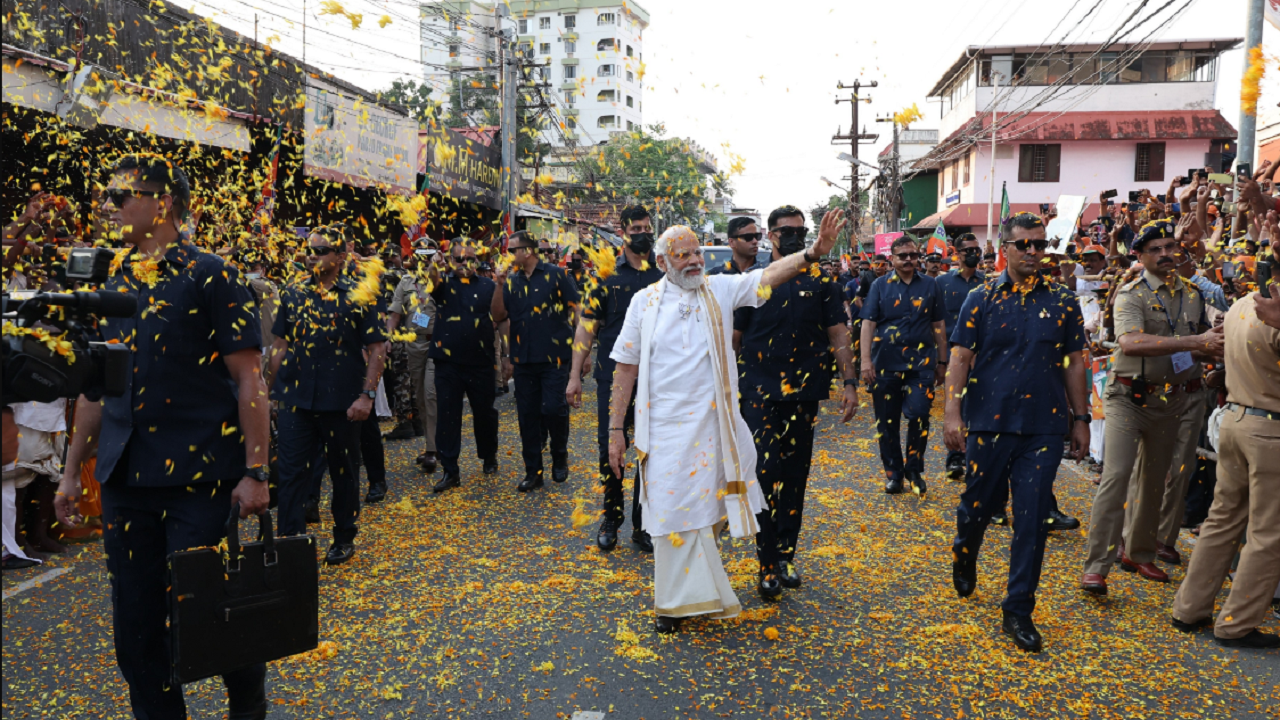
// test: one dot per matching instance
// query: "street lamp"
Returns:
(846, 190)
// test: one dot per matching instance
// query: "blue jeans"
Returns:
(899, 396)
(999, 463)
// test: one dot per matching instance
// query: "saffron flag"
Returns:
(264, 213)
(937, 241)
(1004, 218)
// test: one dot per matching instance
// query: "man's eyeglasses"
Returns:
(321, 250)
(971, 251)
(748, 237)
(1025, 245)
(791, 231)
(117, 196)
(682, 255)
(907, 256)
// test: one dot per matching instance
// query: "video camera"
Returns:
(34, 371)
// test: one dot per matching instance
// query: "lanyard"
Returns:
(1173, 323)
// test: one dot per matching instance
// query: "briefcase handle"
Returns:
(265, 533)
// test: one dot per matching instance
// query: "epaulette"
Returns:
(1130, 285)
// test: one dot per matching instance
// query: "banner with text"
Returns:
(355, 142)
(461, 167)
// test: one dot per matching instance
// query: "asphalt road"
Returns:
(485, 602)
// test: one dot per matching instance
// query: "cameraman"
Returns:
(172, 452)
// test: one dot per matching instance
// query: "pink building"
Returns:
(1075, 121)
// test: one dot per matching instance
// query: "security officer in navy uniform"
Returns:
(325, 362)
(462, 348)
(540, 301)
(785, 363)
(603, 313)
(186, 442)
(1011, 397)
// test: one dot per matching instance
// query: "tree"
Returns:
(473, 100)
(416, 98)
(645, 167)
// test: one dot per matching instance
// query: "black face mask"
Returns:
(971, 260)
(790, 241)
(641, 243)
(575, 264)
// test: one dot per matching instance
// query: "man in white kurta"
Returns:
(696, 454)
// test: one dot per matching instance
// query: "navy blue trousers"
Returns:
(614, 500)
(899, 396)
(542, 411)
(303, 436)
(141, 527)
(783, 433)
(453, 381)
(1026, 465)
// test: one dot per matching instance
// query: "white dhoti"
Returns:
(690, 579)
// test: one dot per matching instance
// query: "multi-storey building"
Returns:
(587, 54)
(1074, 121)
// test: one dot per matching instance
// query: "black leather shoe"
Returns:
(666, 625)
(253, 707)
(769, 585)
(491, 466)
(1255, 640)
(311, 513)
(999, 518)
(956, 471)
(607, 537)
(917, 483)
(339, 553)
(642, 541)
(894, 486)
(1190, 627)
(1023, 631)
(428, 463)
(377, 493)
(447, 480)
(788, 575)
(532, 481)
(560, 473)
(964, 575)
(403, 431)
(1059, 520)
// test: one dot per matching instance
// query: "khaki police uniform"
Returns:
(418, 313)
(1146, 424)
(1248, 490)
(268, 299)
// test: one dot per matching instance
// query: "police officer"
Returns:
(955, 286)
(413, 309)
(1018, 398)
(1161, 330)
(1246, 495)
(603, 313)
(540, 300)
(903, 356)
(785, 363)
(462, 350)
(186, 442)
(325, 386)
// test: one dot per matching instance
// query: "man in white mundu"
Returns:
(696, 455)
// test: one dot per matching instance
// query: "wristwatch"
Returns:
(371, 394)
(850, 382)
(806, 257)
(1083, 418)
(256, 472)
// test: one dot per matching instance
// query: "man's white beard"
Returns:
(685, 282)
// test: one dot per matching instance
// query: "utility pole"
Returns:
(510, 89)
(1249, 123)
(894, 195)
(853, 138)
(991, 192)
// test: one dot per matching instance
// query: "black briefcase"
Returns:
(256, 603)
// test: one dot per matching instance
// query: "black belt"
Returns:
(1255, 411)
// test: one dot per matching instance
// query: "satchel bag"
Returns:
(256, 603)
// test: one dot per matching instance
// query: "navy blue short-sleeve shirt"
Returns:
(954, 289)
(607, 305)
(786, 351)
(324, 369)
(180, 417)
(464, 325)
(541, 307)
(1017, 383)
(904, 314)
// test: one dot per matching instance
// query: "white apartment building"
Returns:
(1076, 121)
(587, 52)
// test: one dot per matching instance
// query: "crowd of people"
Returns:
(1149, 342)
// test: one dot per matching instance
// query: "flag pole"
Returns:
(991, 193)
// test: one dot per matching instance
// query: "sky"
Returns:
(760, 77)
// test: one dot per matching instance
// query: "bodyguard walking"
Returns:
(325, 386)
(462, 349)
(789, 346)
(1019, 398)
(955, 286)
(540, 300)
(603, 313)
(904, 354)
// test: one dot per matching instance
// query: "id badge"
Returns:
(1182, 362)
(422, 320)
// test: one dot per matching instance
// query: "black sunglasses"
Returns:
(117, 196)
(971, 251)
(749, 237)
(791, 231)
(907, 256)
(321, 250)
(1024, 245)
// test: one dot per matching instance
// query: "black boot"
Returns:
(894, 486)
(666, 625)
(769, 585)
(917, 482)
(964, 576)
(607, 537)
(448, 479)
(642, 541)
(1023, 631)
(532, 481)
(788, 575)
(1059, 520)
(311, 513)
(377, 492)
